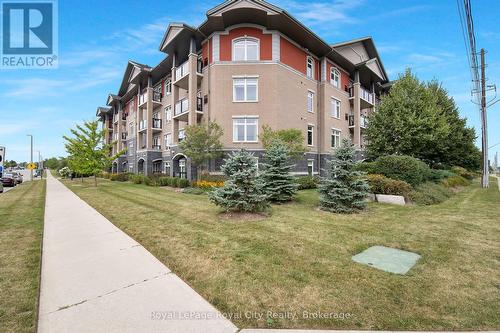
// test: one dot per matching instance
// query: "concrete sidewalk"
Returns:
(95, 278)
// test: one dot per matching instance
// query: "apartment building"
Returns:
(248, 65)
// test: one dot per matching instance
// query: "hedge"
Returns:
(380, 184)
(401, 167)
(306, 182)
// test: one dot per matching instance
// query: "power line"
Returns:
(479, 87)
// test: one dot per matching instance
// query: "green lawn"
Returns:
(21, 225)
(299, 258)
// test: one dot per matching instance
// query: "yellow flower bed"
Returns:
(207, 185)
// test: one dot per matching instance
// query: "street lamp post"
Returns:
(31, 158)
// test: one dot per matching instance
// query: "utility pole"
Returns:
(31, 158)
(484, 126)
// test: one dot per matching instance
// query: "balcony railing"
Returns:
(143, 124)
(364, 94)
(363, 120)
(157, 96)
(199, 104)
(181, 107)
(157, 147)
(199, 66)
(143, 98)
(182, 71)
(156, 123)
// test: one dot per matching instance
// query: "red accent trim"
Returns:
(265, 42)
(292, 56)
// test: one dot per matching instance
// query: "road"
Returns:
(26, 178)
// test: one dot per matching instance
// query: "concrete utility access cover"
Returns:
(387, 259)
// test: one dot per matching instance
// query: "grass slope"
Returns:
(299, 258)
(21, 225)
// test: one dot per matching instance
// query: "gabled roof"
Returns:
(101, 111)
(371, 50)
(132, 69)
(112, 99)
(262, 13)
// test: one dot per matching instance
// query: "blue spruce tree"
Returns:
(279, 184)
(243, 191)
(343, 190)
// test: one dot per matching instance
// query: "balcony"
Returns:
(363, 121)
(366, 97)
(182, 74)
(181, 108)
(157, 97)
(199, 104)
(157, 125)
(143, 125)
(143, 98)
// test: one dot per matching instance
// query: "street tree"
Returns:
(88, 153)
(420, 120)
(202, 143)
(292, 138)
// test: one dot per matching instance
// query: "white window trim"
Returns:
(245, 38)
(340, 107)
(340, 136)
(312, 162)
(167, 93)
(332, 82)
(245, 90)
(312, 136)
(312, 67)
(235, 139)
(313, 100)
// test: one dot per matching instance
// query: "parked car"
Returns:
(8, 180)
(38, 173)
(18, 177)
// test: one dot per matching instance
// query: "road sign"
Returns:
(31, 166)
(2, 155)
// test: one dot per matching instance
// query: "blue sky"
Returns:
(97, 38)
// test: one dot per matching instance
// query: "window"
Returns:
(335, 108)
(157, 167)
(168, 87)
(310, 135)
(245, 49)
(245, 90)
(310, 101)
(335, 138)
(245, 129)
(167, 168)
(310, 167)
(310, 67)
(168, 141)
(182, 134)
(168, 113)
(156, 142)
(335, 77)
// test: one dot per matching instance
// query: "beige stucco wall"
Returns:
(282, 102)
